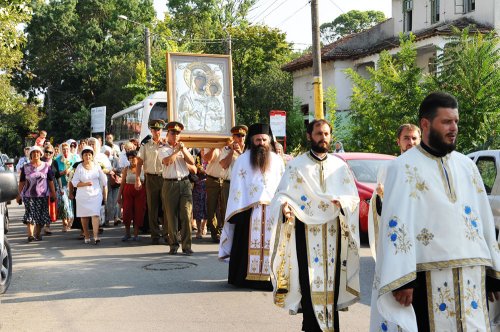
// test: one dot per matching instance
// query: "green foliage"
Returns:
(351, 22)
(271, 90)
(81, 55)
(389, 97)
(17, 117)
(330, 98)
(258, 52)
(295, 130)
(195, 19)
(469, 69)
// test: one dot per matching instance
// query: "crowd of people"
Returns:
(291, 226)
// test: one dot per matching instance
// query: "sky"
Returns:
(294, 16)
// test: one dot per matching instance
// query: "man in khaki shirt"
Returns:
(149, 159)
(218, 178)
(177, 191)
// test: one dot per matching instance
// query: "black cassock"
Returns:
(238, 261)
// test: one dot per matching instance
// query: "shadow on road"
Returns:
(61, 267)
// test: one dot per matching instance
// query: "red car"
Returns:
(364, 167)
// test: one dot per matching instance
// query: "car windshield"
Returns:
(366, 170)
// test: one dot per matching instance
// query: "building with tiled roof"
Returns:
(431, 22)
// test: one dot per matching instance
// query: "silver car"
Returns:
(488, 163)
(8, 191)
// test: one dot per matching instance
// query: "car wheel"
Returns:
(5, 267)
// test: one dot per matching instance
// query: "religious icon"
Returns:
(199, 89)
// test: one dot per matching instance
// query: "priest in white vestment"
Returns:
(437, 253)
(315, 258)
(247, 231)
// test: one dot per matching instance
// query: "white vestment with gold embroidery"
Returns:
(252, 189)
(309, 186)
(436, 218)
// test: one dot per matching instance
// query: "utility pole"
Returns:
(316, 54)
(147, 43)
(229, 44)
(147, 47)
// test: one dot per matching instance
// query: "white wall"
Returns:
(343, 84)
(486, 12)
(333, 76)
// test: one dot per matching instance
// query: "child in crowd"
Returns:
(40, 141)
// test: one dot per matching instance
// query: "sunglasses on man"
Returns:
(49, 152)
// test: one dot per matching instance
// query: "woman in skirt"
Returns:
(35, 183)
(91, 193)
(64, 164)
(132, 200)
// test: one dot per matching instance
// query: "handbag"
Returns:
(53, 210)
(115, 180)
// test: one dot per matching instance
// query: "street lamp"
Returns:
(147, 48)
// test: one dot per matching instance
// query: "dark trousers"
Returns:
(154, 184)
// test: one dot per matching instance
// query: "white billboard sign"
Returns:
(277, 121)
(98, 119)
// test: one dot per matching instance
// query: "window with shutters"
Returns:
(407, 15)
(434, 11)
(464, 6)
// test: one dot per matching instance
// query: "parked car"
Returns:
(365, 167)
(8, 191)
(488, 164)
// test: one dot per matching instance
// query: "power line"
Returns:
(343, 12)
(298, 10)
(254, 7)
(265, 10)
(282, 3)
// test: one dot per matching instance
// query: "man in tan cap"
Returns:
(149, 159)
(219, 166)
(177, 192)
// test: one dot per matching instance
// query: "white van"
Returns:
(132, 122)
(488, 163)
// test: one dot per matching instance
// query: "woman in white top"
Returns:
(91, 182)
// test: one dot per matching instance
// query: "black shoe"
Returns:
(188, 252)
(155, 241)
(97, 241)
(31, 238)
(173, 250)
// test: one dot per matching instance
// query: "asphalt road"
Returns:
(61, 284)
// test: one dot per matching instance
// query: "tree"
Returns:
(17, 117)
(351, 22)
(469, 69)
(206, 19)
(80, 55)
(389, 97)
(257, 52)
(295, 129)
(271, 90)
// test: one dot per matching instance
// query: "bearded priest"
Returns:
(315, 253)
(438, 258)
(247, 230)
